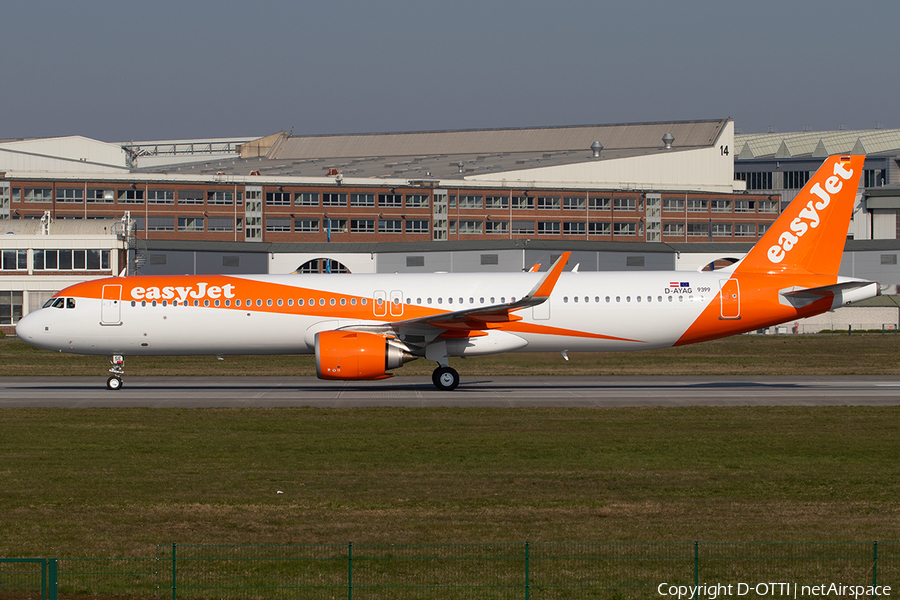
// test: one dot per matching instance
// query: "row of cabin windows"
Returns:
(609, 299)
(364, 301)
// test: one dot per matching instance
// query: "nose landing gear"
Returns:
(118, 369)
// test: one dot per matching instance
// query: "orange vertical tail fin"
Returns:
(809, 235)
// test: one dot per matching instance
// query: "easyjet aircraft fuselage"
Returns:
(362, 326)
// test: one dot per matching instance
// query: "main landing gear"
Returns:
(445, 378)
(118, 369)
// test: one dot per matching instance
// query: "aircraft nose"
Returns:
(27, 328)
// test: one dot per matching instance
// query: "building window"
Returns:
(795, 180)
(68, 260)
(306, 199)
(191, 196)
(160, 197)
(101, 196)
(190, 223)
(497, 227)
(38, 195)
(599, 203)
(624, 228)
(548, 203)
(69, 195)
(522, 227)
(673, 205)
(496, 202)
(335, 225)
(220, 197)
(161, 224)
(721, 229)
(362, 199)
(14, 260)
(417, 201)
(721, 206)
(470, 202)
(744, 230)
(231, 261)
(762, 228)
(597, 228)
(278, 224)
(390, 200)
(874, 177)
(220, 224)
(574, 203)
(490, 259)
(574, 227)
(768, 206)
(548, 227)
(469, 227)
(415, 261)
(362, 225)
(756, 181)
(10, 307)
(390, 226)
(744, 206)
(334, 199)
(889, 259)
(629, 204)
(522, 203)
(698, 229)
(417, 226)
(672, 229)
(278, 198)
(130, 196)
(634, 261)
(697, 205)
(306, 225)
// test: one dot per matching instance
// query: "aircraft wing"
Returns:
(460, 322)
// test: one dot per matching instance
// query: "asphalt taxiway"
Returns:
(197, 392)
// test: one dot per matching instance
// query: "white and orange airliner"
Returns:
(362, 326)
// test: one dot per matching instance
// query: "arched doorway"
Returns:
(322, 265)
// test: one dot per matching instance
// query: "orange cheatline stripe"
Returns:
(548, 330)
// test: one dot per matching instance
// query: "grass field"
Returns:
(116, 482)
(102, 482)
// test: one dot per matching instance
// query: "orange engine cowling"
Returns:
(357, 355)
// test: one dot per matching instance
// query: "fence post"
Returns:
(52, 579)
(874, 567)
(350, 571)
(696, 564)
(173, 572)
(527, 573)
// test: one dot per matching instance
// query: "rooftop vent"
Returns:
(667, 140)
(596, 147)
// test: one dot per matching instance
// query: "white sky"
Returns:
(162, 69)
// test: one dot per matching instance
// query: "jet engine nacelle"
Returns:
(357, 355)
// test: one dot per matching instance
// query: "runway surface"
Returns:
(197, 392)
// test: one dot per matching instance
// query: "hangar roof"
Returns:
(811, 144)
(454, 154)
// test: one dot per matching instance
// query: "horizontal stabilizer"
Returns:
(843, 292)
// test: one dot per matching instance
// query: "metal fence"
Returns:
(457, 571)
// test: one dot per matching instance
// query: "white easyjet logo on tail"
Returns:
(809, 215)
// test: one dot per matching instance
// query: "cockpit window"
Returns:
(70, 302)
(49, 302)
(59, 303)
